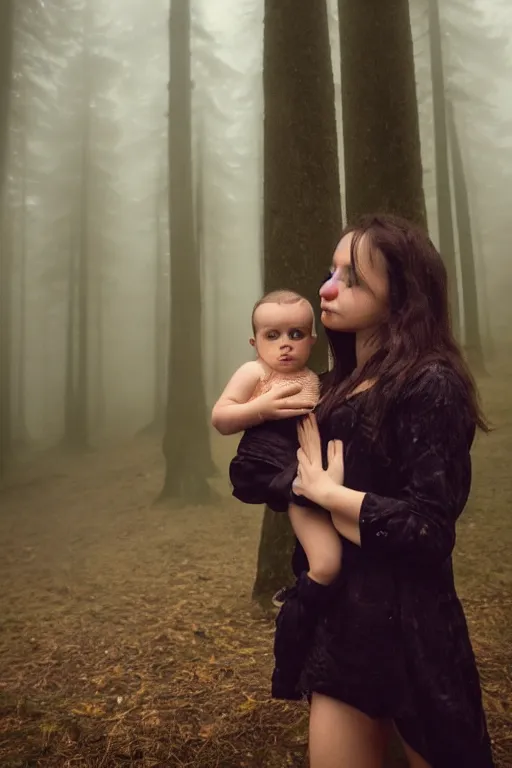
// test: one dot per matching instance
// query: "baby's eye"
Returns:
(272, 335)
(296, 334)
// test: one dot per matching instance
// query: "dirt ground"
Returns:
(127, 633)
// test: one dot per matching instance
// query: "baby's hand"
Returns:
(282, 403)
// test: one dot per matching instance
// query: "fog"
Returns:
(92, 81)
(89, 314)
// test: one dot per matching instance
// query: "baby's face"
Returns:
(284, 335)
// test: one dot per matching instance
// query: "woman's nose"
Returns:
(330, 288)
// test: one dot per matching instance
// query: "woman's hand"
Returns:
(312, 480)
(335, 462)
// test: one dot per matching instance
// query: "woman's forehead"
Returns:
(342, 253)
(366, 256)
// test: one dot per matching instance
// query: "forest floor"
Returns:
(128, 636)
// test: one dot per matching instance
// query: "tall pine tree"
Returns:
(186, 442)
(302, 207)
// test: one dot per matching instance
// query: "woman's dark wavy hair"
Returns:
(418, 332)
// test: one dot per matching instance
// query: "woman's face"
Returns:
(355, 300)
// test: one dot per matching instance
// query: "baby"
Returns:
(278, 385)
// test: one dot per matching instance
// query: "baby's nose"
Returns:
(329, 289)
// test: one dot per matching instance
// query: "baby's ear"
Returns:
(252, 342)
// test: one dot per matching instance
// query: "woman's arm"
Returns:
(344, 505)
(419, 523)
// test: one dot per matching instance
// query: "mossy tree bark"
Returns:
(383, 170)
(302, 206)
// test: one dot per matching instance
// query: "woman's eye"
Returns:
(351, 278)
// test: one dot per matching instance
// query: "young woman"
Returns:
(398, 413)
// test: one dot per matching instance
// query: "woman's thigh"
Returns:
(343, 737)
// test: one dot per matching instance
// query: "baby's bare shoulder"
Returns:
(252, 366)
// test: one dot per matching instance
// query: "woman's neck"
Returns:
(367, 343)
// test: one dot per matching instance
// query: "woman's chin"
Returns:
(331, 320)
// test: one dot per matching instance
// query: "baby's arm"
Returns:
(234, 411)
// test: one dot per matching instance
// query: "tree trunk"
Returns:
(161, 316)
(199, 232)
(6, 22)
(383, 170)
(186, 443)
(81, 434)
(443, 188)
(69, 405)
(95, 311)
(473, 339)
(20, 431)
(77, 387)
(160, 323)
(302, 206)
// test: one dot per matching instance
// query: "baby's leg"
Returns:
(320, 540)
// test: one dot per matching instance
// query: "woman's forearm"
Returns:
(344, 505)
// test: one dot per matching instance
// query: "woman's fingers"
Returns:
(335, 468)
(313, 433)
(335, 450)
(313, 422)
(309, 439)
(304, 439)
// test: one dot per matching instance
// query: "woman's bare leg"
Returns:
(343, 737)
(320, 541)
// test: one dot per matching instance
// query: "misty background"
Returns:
(132, 248)
(87, 169)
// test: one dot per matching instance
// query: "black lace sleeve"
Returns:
(433, 439)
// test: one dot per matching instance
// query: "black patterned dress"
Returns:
(394, 642)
